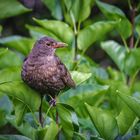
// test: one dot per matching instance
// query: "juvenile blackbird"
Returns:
(43, 70)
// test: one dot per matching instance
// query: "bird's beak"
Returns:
(60, 45)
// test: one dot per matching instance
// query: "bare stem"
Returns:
(57, 122)
(40, 113)
(132, 18)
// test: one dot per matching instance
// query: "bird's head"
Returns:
(51, 43)
(48, 45)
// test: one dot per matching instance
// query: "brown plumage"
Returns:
(44, 71)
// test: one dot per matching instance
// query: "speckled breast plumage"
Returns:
(46, 74)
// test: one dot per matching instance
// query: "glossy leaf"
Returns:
(66, 121)
(132, 63)
(9, 10)
(80, 77)
(20, 110)
(94, 32)
(125, 120)
(83, 91)
(132, 102)
(52, 132)
(38, 32)
(104, 122)
(3, 121)
(137, 137)
(115, 101)
(93, 94)
(109, 10)
(0, 29)
(79, 9)
(28, 98)
(114, 13)
(24, 129)
(3, 51)
(79, 136)
(6, 104)
(64, 32)
(9, 58)
(6, 108)
(55, 8)
(21, 44)
(116, 52)
(10, 74)
(13, 137)
(137, 24)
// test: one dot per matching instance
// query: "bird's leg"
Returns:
(40, 112)
(52, 102)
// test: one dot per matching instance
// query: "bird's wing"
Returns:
(65, 75)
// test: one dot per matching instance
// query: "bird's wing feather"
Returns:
(65, 75)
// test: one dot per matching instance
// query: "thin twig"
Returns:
(132, 18)
(40, 112)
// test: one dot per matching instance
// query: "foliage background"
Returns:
(103, 56)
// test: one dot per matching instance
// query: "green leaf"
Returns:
(115, 101)
(55, 7)
(10, 74)
(104, 122)
(13, 137)
(132, 102)
(114, 13)
(0, 29)
(125, 120)
(11, 8)
(93, 94)
(6, 104)
(110, 11)
(79, 136)
(137, 137)
(9, 58)
(126, 61)
(116, 52)
(3, 51)
(137, 24)
(6, 108)
(20, 110)
(24, 129)
(38, 32)
(27, 97)
(80, 9)
(52, 131)
(64, 32)
(132, 63)
(21, 44)
(94, 32)
(80, 77)
(66, 121)
(3, 121)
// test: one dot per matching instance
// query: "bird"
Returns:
(44, 72)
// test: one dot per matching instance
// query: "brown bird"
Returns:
(43, 70)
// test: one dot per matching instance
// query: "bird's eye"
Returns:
(48, 44)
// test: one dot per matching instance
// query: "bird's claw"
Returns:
(52, 102)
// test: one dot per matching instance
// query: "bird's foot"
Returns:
(52, 102)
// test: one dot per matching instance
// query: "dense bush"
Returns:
(106, 102)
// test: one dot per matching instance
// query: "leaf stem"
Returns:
(48, 111)
(133, 78)
(132, 18)
(75, 36)
(137, 41)
(125, 44)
